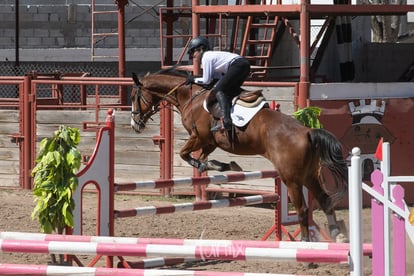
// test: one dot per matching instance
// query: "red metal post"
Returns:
(121, 48)
(33, 127)
(166, 146)
(199, 190)
(166, 114)
(304, 83)
(195, 21)
(169, 18)
(304, 55)
(110, 123)
(19, 138)
(25, 125)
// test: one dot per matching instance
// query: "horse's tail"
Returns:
(331, 157)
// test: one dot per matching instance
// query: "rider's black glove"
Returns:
(210, 85)
(207, 86)
(189, 80)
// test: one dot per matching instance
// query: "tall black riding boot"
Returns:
(223, 102)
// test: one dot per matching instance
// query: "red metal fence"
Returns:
(46, 92)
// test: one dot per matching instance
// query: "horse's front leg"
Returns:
(193, 144)
(214, 164)
(298, 200)
(222, 167)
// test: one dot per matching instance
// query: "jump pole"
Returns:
(185, 251)
(189, 181)
(22, 236)
(196, 206)
(231, 245)
(20, 269)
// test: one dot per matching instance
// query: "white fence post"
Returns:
(355, 211)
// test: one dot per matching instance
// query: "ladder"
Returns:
(96, 37)
(258, 41)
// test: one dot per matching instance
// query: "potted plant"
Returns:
(55, 180)
(308, 116)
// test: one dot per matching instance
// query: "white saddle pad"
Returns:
(241, 115)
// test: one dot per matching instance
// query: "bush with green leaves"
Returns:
(55, 180)
(309, 116)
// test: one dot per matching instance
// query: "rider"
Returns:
(230, 69)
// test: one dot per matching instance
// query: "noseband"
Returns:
(143, 116)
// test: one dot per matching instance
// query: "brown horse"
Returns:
(297, 152)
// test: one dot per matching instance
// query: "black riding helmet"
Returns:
(198, 42)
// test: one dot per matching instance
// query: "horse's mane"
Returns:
(171, 71)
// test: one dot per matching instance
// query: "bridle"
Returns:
(143, 117)
(140, 99)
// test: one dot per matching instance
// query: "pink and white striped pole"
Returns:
(154, 250)
(170, 241)
(20, 269)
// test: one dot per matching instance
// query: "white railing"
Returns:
(390, 214)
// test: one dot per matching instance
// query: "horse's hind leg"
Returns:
(325, 203)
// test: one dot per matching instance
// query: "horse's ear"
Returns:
(135, 78)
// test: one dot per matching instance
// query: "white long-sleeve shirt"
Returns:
(215, 64)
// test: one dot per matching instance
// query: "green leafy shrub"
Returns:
(55, 180)
(309, 116)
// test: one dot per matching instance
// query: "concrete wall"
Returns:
(68, 24)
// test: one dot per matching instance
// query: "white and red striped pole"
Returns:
(199, 205)
(189, 181)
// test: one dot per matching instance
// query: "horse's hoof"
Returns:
(334, 231)
(312, 265)
(235, 167)
(340, 238)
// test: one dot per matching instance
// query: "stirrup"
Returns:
(220, 126)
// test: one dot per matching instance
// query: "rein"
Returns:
(175, 88)
(171, 91)
(195, 95)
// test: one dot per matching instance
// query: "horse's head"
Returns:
(152, 89)
(144, 105)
